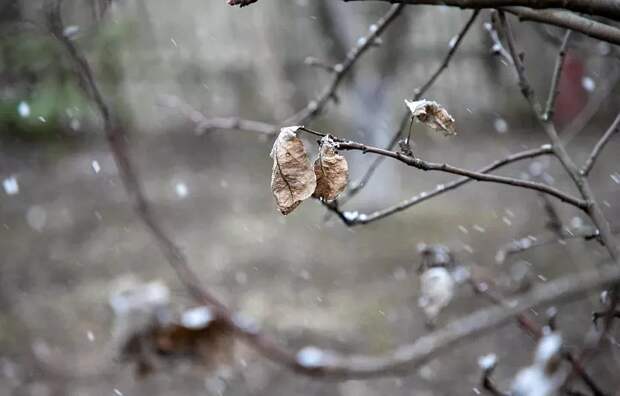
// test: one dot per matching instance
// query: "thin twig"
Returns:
(355, 188)
(315, 106)
(554, 90)
(206, 124)
(594, 210)
(604, 8)
(533, 329)
(598, 148)
(568, 20)
(581, 182)
(443, 188)
(443, 167)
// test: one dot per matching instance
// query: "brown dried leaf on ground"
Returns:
(432, 114)
(332, 171)
(292, 178)
(150, 335)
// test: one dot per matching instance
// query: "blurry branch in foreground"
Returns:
(555, 12)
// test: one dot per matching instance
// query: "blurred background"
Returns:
(68, 234)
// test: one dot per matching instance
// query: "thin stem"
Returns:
(598, 148)
(426, 195)
(593, 208)
(418, 93)
(557, 74)
(315, 106)
(431, 166)
(604, 8)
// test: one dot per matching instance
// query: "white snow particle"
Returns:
(487, 362)
(197, 318)
(310, 356)
(96, 167)
(588, 84)
(181, 189)
(500, 125)
(11, 187)
(23, 109)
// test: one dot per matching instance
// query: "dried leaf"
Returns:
(150, 335)
(432, 114)
(332, 171)
(292, 177)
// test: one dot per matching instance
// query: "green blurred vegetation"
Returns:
(37, 75)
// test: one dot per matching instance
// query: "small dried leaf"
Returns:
(332, 171)
(432, 114)
(292, 178)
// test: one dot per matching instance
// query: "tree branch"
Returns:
(568, 20)
(604, 8)
(315, 106)
(423, 196)
(554, 90)
(431, 166)
(598, 148)
(418, 93)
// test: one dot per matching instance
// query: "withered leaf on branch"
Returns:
(332, 171)
(432, 114)
(292, 178)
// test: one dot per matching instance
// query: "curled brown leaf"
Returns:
(332, 171)
(292, 178)
(432, 114)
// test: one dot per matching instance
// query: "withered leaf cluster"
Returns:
(294, 179)
(150, 335)
(433, 115)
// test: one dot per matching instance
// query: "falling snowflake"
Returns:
(96, 167)
(23, 109)
(181, 189)
(588, 84)
(11, 187)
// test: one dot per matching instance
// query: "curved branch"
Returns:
(598, 148)
(604, 8)
(426, 195)
(315, 106)
(432, 166)
(568, 20)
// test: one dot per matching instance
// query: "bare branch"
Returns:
(533, 329)
(315, 106)
(593, 208)
(418, 93)
(568, 20)
(431, 166)
(205, 124)
(554, 90)
(604, 8)
(532, 242)
(598, 148)
(421, 197)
